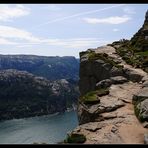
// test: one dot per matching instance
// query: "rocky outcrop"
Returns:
(119, 116)
(23, 94)
(112, 119)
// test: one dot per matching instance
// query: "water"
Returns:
(48, 129)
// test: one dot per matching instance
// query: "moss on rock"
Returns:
(75, 138)
(92, 97)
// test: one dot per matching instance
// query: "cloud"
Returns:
(9, 12)
(15, 33)
(129, 10)
(22, 38)
(108, 20)
(115, 30)
(80, 14)
(6, 42)
(79, 43)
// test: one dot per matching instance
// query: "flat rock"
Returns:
(109, 115)
(92, 126)
(118, 80)
(106, 106)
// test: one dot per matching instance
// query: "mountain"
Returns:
(52, 68)
(23, 94)
(113, 102)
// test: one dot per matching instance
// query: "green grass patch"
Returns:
(75, 138)
(92, 97)
(145, 53)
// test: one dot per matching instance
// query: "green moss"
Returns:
(137, 113)
(92, 96)
(103, 56)
(145, 53)
(75, 138)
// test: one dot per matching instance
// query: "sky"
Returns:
(66, 29)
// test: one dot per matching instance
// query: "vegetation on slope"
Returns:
(135, 51)
(92, 97)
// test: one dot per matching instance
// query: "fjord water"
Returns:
(49, 129)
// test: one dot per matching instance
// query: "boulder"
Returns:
(116, 72)
(85, 115)
(90, 113)
(141, 95)
(142, 110)
(103, 84)
(132, 74)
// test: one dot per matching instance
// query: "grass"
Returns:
(75, 138)
(145, 53)
(92, 97)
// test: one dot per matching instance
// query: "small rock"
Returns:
(109, 115)
(114, 129)
(145, 124)
(145, 138)
(145, 84)
(145, 78)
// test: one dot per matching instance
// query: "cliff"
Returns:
(23, 94)
(113, 105)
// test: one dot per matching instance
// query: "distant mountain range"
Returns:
(52, 68)
(37, 85)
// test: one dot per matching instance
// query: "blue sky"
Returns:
(65, 29)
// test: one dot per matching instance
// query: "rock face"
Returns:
(23, 94)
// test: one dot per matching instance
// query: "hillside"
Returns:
(52, 68)
(23, 94)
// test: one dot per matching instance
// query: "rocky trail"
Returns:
(117, 126)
